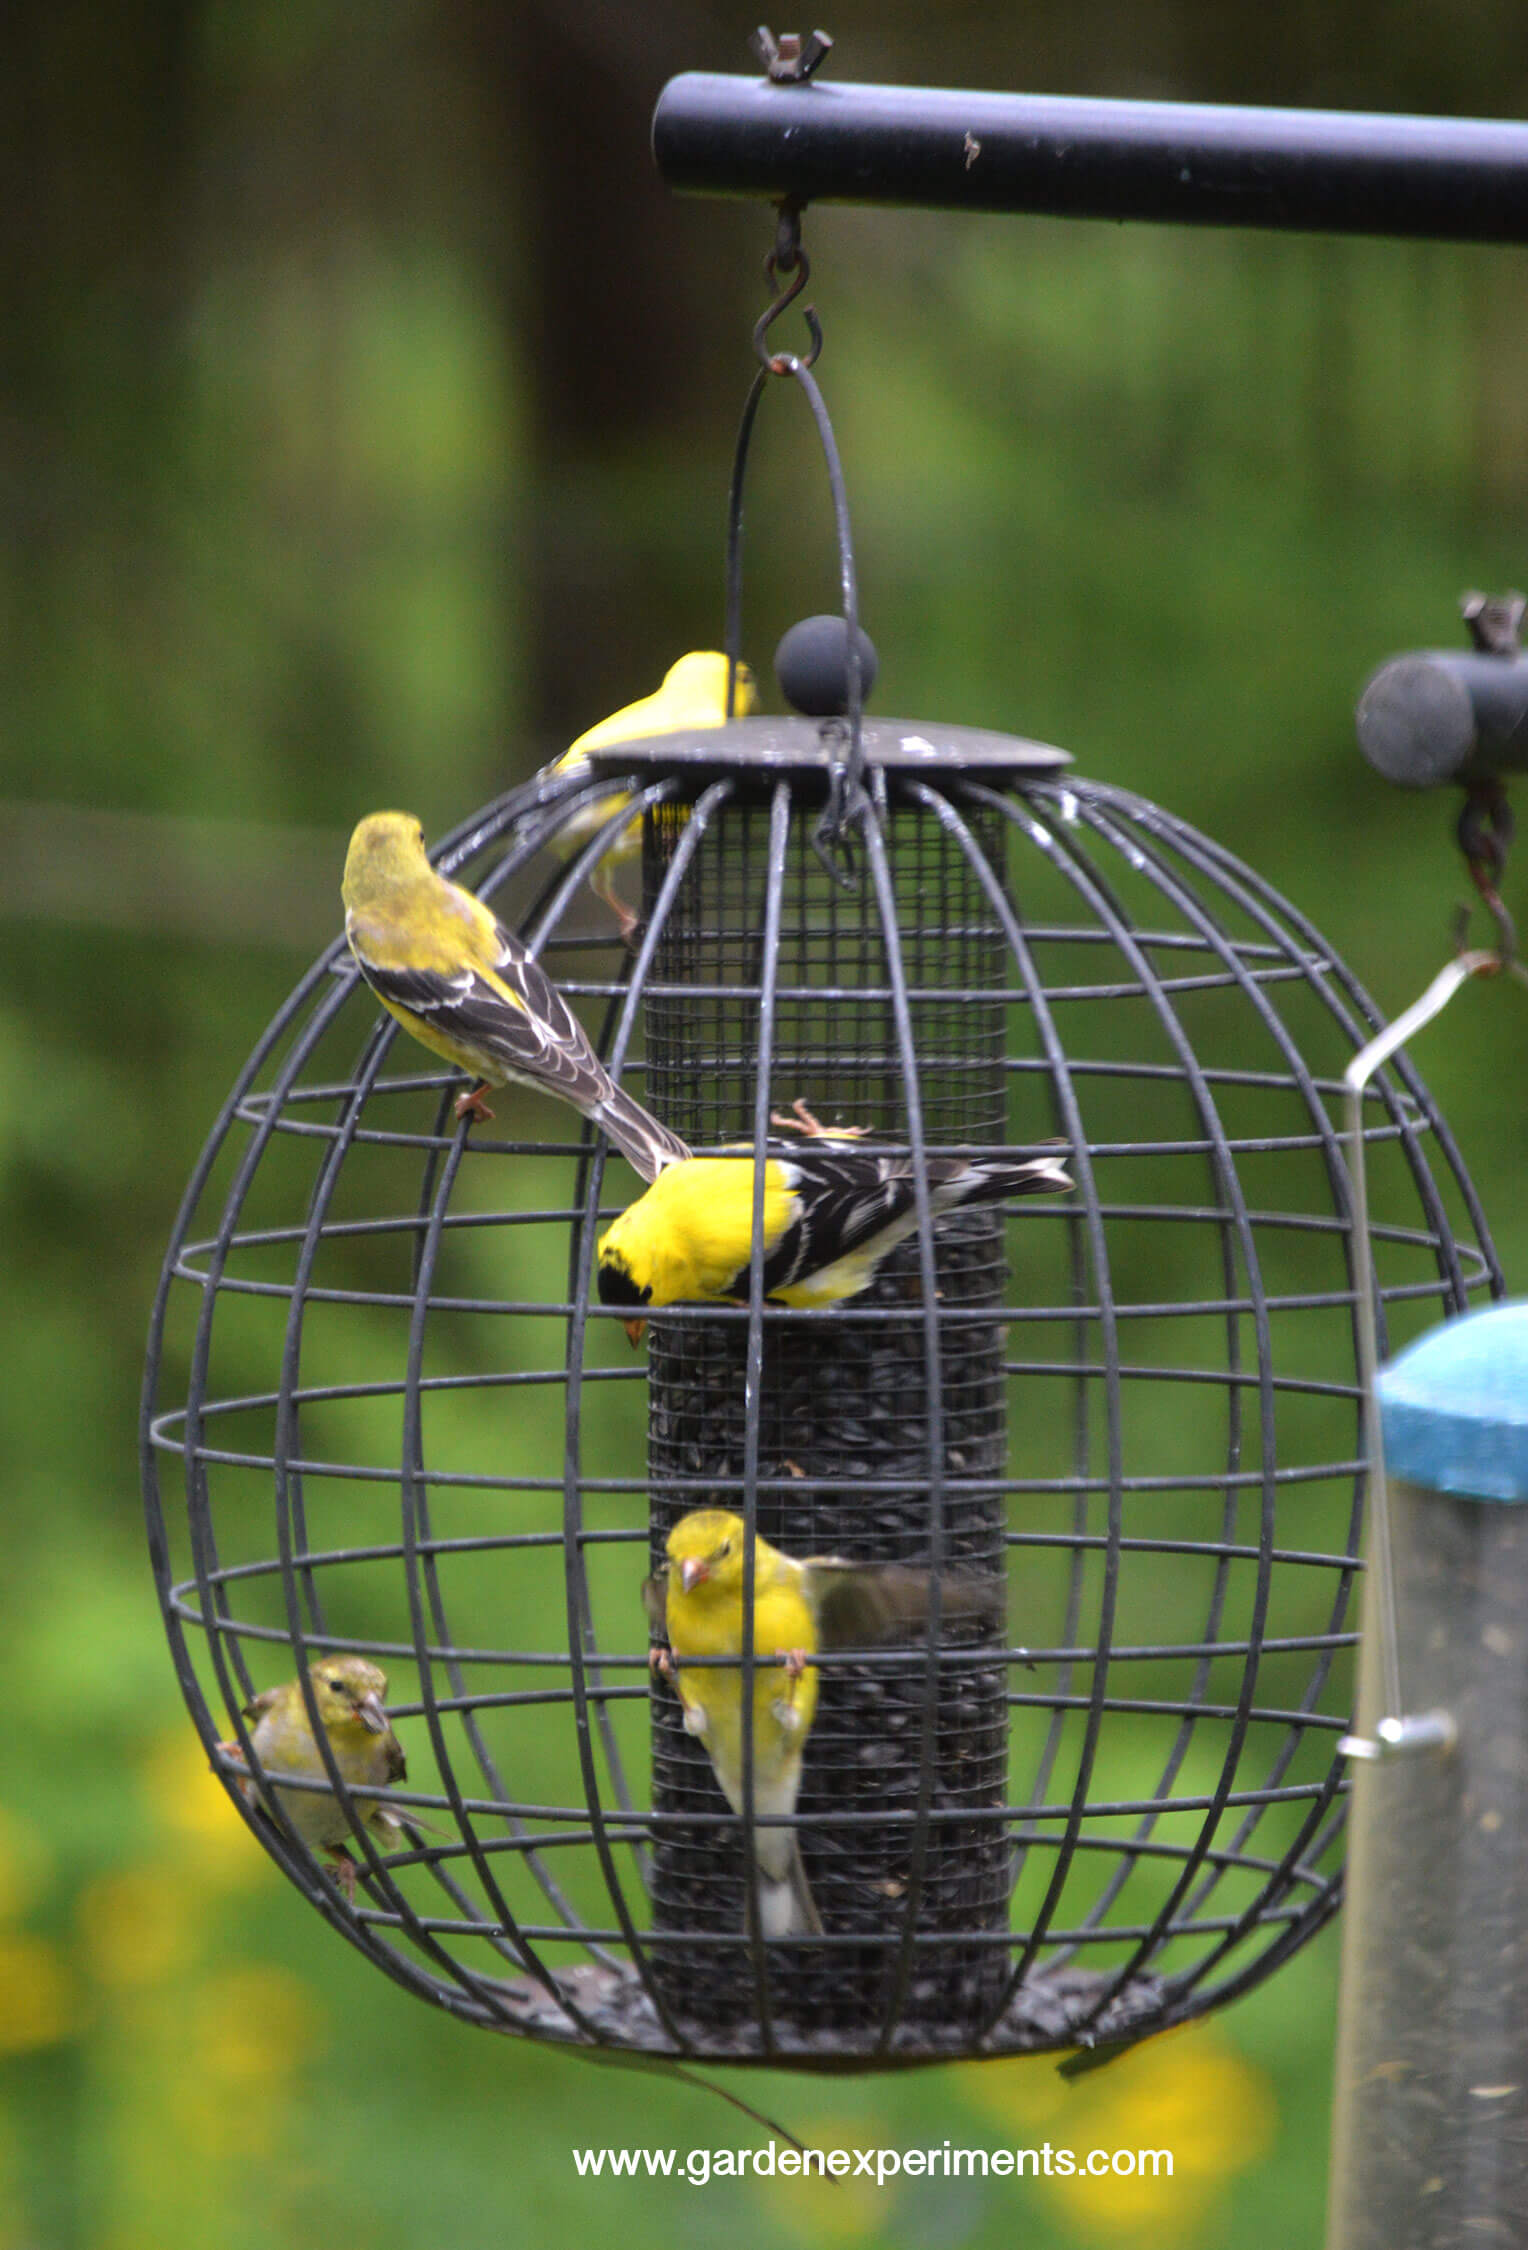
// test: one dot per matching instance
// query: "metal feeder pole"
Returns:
(1430, 2141)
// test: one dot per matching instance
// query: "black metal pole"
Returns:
(1330, 171)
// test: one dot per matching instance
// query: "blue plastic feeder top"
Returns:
(1454, 1406)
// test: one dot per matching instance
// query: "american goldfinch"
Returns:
(693, 694)
(832, 1212)
(348, 1693)
(453, 976)
(799, 1609)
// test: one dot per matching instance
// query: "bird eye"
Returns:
(336, 1683)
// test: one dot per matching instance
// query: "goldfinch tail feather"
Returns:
(984, 1180)
(786, 1905)
(646, 1145)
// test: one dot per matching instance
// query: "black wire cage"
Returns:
(391, 1415)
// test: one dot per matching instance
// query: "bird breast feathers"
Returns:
(706, 1623)
(710, 1623)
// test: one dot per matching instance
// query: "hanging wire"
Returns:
(787, 269)
(1397, 1731)
(1485, 830)
(1484, 833)
(787, 261)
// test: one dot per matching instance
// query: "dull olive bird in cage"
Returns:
(387, 1414)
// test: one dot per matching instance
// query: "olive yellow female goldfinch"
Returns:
(348, 1693)
(693, 694)
(455, 978)
(832, 1212)
(800, 1608)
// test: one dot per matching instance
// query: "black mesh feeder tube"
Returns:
(853, 1455)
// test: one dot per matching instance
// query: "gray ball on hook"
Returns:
(812, 666)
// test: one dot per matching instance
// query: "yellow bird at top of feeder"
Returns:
(693, 694)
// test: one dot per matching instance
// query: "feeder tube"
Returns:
(1430, 2136)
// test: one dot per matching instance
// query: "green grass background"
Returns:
(284, 491)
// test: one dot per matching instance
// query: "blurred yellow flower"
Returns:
(37, 1999)
(210, 2061)
(243, 2037)
(190, 1804)
(1191, 2094)
(136, 1925)
(1203, 2100)
(252, 2026)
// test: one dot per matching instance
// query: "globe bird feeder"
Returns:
(386, 1412)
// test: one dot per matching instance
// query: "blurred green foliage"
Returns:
(341, 471)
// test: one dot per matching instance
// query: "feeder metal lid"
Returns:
(774, 746)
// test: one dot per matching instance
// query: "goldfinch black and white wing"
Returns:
(454, 977)
(853, 1206)
(508, 1021)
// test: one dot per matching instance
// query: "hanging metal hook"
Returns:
(1485, 830)
(847, 803)
(790, 60)
(787, 258)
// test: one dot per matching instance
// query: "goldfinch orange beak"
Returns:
(635, 1331)
(692, 1571)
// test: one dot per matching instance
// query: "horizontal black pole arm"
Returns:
(1445, 714)
(1327, 171)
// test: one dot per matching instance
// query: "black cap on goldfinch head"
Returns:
(616, 1285)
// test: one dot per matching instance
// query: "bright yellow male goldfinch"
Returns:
(800, 1608)
(693, 694)
(454, 977)
(832, 1212)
